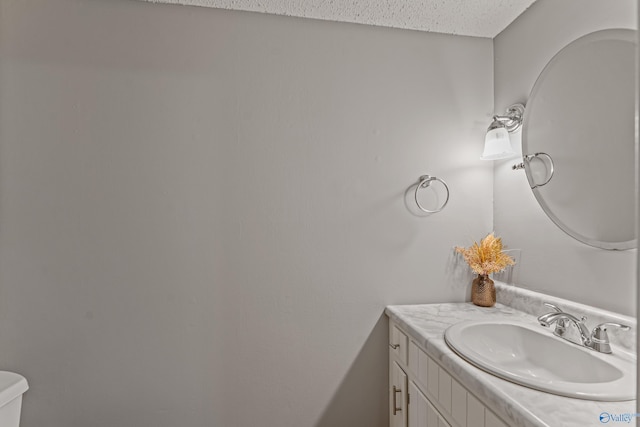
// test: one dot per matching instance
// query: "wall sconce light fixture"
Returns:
(497, 144)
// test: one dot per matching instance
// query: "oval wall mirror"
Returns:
(580, 122)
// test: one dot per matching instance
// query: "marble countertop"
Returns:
(519, 406)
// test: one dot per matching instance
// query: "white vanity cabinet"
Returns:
(423, 394)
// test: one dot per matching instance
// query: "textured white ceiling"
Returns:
(479, 18)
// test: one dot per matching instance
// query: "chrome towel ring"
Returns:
(425, 181)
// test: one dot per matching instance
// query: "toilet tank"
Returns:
(12, 386)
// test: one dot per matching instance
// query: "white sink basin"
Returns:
(532, 356)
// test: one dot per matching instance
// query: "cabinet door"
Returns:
(418, 407)
(417, 410)
(421, 412)
(397, 396)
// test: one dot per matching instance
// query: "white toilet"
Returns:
(12, 386)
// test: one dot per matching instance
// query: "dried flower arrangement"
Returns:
(487, 257)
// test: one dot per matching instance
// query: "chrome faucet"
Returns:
(549, 319)
(597, 340)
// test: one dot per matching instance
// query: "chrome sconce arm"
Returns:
(526, 160)
(512, 120)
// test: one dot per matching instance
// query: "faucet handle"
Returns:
(602, 327)
(600, 338)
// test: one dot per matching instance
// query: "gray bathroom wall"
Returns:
(203, 213)
(551, 261)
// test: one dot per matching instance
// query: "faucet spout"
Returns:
(544, 319)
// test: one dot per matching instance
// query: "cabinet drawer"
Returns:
(398, 343)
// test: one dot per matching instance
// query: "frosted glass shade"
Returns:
(497, 145)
